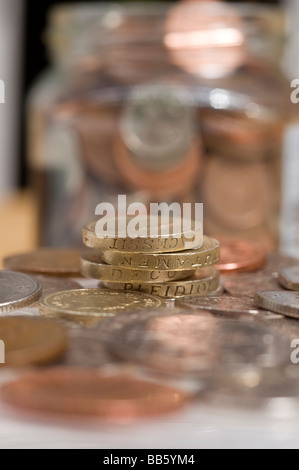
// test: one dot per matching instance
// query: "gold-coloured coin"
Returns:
(88, 306)
(204, 282)
(173, 241)
(207, 255)
(91, 266)
(29, 340)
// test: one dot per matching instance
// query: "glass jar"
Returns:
(160, 102)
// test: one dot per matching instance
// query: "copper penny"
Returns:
(117, 398)
(236, 133)
(51, 261)
(158, 183)
(109, 327)
(191, 344)
(240, 256)
(96, 131)
(249, 284)
(276, 262)
(29, 340)
(229, 195)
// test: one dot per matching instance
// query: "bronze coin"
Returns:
(116, 398)
(276, 262)
(229, 195)
(51, 261)
(230, 307)
(240, 256)
(29, 340)
(52, 284)
(192, 344)
(162, 184)
(96, 128)
(249, 284)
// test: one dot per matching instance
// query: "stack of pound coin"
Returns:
(173, 264)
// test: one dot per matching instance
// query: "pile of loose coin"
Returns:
(168, 266)
(237, 342)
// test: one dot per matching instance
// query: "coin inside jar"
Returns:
(205, 39)
(229, 195)
(86, 392)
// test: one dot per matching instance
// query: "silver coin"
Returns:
(289, 277)
(230, 307)
(286, 303)
(192, 345)
(17, 290)
(157, 125)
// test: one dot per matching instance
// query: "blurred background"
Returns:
(184, 101)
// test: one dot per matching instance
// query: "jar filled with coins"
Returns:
(162, 103)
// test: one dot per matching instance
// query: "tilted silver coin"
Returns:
(192, 345)
(17, 290)
(286, 302)
(289, 277)
(229, 306)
